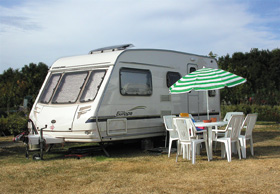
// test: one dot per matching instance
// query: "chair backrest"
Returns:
(235, 124)
(229, 114)
(249, 123)
(184, 127)
(168, 122)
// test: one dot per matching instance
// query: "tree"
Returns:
(211, 54)
(9, 90)
(261, 69)
(15, 84)
(33, 75)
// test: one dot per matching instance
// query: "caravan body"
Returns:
(118, 94)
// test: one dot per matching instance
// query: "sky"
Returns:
(33, 31)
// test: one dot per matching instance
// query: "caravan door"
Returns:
(193, 97)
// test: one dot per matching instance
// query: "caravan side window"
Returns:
(135, 82)
(49, 88)
(211, 93)
(172, 78)
(69, 88)
(192, 69)
(92, 85)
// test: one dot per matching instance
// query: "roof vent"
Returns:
(111, 48)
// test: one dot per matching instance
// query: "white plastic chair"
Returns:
(173, 135)
(187, 115)
(249, 124)
(234, 125)
(187, 137)
(226, 119)
(229, 114)
(199, 133)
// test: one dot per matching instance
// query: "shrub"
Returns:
(3, 126)
(13, 124)
(265, 112)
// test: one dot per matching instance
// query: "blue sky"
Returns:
(43, 31)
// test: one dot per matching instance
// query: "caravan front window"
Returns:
(69, 88)
(49, 89)
(92, 85)
(135, 82)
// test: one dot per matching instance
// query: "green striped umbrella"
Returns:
(206, 79)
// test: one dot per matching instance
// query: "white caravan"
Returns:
(118, 93)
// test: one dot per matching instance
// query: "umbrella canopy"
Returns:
(206, 79)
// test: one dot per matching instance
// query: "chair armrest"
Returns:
(217, 130)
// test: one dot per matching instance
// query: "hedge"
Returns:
(265, 112)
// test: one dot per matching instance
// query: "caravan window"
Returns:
(92, 85)
(192, 69)
(69, 88)
(135, 82)
(211, 93)
(49, 88)
(172, 78)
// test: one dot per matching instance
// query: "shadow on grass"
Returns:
(264, 136)
(10, 151)
(271, 151)
(116, 150)
(130, 150)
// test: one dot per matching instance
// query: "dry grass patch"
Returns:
(131, 170)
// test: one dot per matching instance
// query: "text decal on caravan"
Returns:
(129, 113)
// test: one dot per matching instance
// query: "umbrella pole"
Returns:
(207, 105)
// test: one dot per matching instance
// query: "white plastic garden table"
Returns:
(209, 127)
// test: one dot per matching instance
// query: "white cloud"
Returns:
(46, 30)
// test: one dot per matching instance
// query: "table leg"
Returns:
(209, 138)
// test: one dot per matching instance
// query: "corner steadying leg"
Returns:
(104, 150)
(49, 147)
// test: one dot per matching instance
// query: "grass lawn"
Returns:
(130, 170)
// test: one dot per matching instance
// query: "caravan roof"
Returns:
(87, 60)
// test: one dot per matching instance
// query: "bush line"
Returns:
(265, 112)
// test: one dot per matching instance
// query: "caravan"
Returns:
(117, 93)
